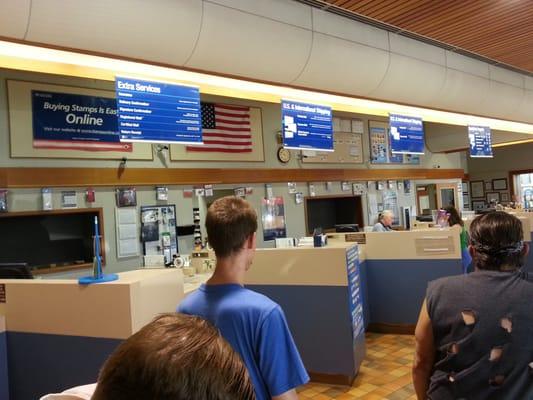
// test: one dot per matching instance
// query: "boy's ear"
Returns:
(251, 242)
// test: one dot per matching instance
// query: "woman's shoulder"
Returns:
(446, 282)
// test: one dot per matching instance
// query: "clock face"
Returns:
(284, 155)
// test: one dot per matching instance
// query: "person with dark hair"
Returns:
(454, 219)
(174, 357)
(474, 334)
(252, 323)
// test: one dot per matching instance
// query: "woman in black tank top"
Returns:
(474, 337)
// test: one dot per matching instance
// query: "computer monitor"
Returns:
(346, 228)
(424, 218)
(15, 271)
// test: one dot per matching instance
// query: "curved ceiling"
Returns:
(497, 30)
(279, 41)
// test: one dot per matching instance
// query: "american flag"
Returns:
(225, 129)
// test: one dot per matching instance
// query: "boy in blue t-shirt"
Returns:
(254, 325)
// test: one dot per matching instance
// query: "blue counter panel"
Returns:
(319, 319)
(364, 292)
(396, 288)
(40, 363)
(4, 386)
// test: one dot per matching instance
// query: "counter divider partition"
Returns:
(59, 333)
(397, 270)
(319, 290)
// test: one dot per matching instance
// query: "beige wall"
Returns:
(30, 199)
(510, 158)
(505, 159)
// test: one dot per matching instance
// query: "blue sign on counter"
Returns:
(306, 126)
(354, 289)
(158, 112)
(480, 140)
(406, 134)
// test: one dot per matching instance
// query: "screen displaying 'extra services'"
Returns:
(158, 112)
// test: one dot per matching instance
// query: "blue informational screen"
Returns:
(158, 112)
(306, 126)
(354, 290)
(480, 140)
(406, 134)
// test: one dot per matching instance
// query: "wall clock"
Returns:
(284, 155)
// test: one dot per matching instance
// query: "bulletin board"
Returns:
(158, 231)
(21, 125)
(348, 148)
(347, 144)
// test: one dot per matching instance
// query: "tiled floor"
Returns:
(384, 374)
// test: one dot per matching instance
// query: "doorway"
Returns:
(447, 195)
(426, 199)
(522, 188)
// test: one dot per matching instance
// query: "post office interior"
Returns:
(53, 196)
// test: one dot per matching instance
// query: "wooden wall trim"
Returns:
(74, 177)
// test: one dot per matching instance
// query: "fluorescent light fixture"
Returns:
(39, 59)
(512, 143)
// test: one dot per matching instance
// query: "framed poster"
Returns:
(158, 231)
(53, 121)
(273, 218)
(504, 197)
(478, 205)
(477, 189)
(69, 199)
(493, 197)
(127, 232)
(488, 186)
(378, 145)
(126, 197)
(466, 201)
(499, 184)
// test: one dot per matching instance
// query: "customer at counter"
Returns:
(454, 219)
(384, 224)
(174, 357)
(252, 323)
(473, 337)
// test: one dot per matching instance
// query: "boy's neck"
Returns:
(230, 270)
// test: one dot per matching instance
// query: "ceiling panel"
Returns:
(499, 30)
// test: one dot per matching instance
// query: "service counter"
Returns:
(314, 288)
(320, 292)
(59, 333)
(397, 269)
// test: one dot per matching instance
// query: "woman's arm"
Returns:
(424, 353)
